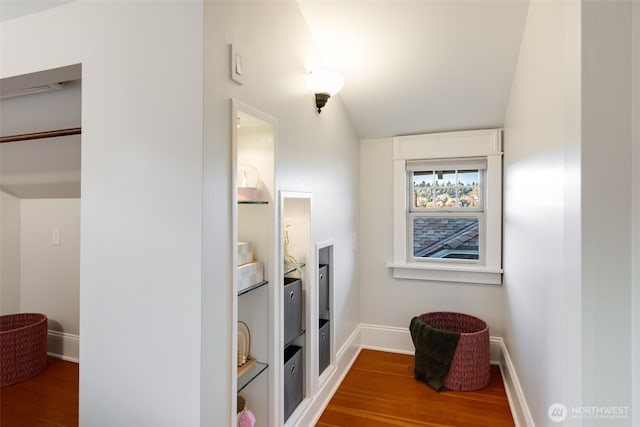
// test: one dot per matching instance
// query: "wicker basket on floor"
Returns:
(23, 346)
(470, 368)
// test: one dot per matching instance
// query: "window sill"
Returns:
(447, 273)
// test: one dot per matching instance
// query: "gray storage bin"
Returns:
(323, 291)
(293, 375)
(292, 309)
(324, 345)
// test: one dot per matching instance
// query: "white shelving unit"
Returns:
(326, 324)
(253, 159)
(295, 212)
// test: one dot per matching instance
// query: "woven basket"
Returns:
(23, 347)
(470, 368)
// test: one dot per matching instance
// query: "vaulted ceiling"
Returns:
(420, 66)
(409, 67)
(41, 168)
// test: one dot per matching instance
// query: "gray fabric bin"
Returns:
(292, 309)
(293, 375)
(324, 345)
(323, 291)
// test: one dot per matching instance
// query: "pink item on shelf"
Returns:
(246, 419)
(247, 194)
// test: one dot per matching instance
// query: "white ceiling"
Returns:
(420, 66)
(409, 66)
(10, 9)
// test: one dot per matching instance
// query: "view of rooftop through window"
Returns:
(446, 237)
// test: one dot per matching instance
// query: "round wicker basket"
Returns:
(470, 368)
(23, 346)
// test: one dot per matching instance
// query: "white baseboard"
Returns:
(398, 340)
(517, 402)
(63, 346)
(344, 360)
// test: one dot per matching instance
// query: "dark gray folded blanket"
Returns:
(434, 351)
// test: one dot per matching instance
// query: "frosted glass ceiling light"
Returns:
(324, 84)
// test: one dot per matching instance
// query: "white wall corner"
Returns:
(63, 346)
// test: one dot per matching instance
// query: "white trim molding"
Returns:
(336, 373)
(485, 144)
(515, 394)
(63, 346)
(398, 340)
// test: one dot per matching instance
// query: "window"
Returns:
(447, 213)
(446, 209)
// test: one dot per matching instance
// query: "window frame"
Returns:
(476, 164)
(439, 149)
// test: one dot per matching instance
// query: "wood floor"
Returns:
(48, 399)
(380, 390)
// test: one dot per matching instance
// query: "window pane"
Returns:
(469, 197)
(468, 177)
(445, 197)
(446, 178)
(422, 193)
(446, 189)
(446, 237)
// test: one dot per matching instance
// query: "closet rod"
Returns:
(39, 135)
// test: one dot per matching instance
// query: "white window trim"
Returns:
(449, 145)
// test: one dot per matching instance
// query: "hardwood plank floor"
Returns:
(380, 390)
(48, 399)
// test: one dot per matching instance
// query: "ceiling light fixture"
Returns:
(324, 84)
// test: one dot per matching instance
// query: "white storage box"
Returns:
(245, 253)
(250, 274)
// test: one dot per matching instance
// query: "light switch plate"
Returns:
(237, 67)
(55, 237)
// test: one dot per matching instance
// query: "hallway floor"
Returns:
(380, 390)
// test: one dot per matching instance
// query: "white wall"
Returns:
(542, 210)
(315, 153)
(606, 205)
(141, 227)
(635, 379)
(386, 301)
(568, 209)
(9, 254)
(50, 274)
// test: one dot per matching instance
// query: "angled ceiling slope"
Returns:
(420, 66)
(41, 168)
